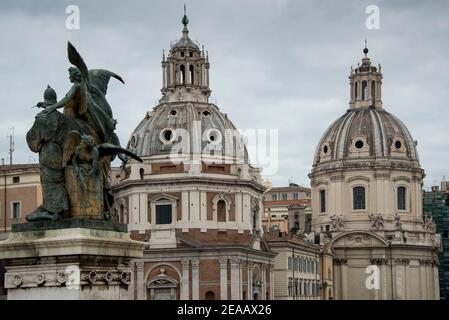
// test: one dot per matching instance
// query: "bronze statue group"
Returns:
(76, 147)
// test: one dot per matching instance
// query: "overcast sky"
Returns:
(275, 64)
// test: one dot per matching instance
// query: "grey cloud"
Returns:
(274, 64)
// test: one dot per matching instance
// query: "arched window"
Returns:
(141, 173)
(210, 295)
(356, 90)
(191, 74)
(182, 69)
(322, 200)
(373, 91)
(364, 90)
(358, 194)
(401, 198)
(221, 211)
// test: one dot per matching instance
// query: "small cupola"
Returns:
(185, 70)
(366, 83)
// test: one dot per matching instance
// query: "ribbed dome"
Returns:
(366, 133)
(186, 42)
(193, 127)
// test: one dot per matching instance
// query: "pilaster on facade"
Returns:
(223, 278)
(235, 278)
(185, 282)
(195, 279)
(140, 285)
(250, 266)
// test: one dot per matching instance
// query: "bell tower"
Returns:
(366, 83)
(185, 70)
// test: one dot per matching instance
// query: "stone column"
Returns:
(250, 280)
(235, 279)
(271, 282)
(196, 279)
(185, 289)
(264, 283)
(223, 278)
(140, 281)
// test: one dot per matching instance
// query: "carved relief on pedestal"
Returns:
(57, 279)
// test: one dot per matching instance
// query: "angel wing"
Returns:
(73, 140)
(99, 78)
(76, 59)
(108, 149)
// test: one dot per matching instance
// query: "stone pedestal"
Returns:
(81, 261)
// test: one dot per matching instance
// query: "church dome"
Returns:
(185, 123)
(366, 132)
(189, 128)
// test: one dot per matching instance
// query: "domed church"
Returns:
(195, 199)
(367, 203)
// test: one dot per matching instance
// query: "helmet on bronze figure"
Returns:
(50, 95)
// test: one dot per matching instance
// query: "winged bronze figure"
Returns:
(85, 143)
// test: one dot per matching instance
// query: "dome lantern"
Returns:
(185, 70)
(365, 83)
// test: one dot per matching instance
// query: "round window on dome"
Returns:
(325, 149)
(206, 113)
(359, 144)
(167, 136)
(398, 144)
(213, 136)
(173, 113)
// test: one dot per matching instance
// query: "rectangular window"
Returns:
(289, 263)
(164, 214)
(358, 198)
(322, 200)
(16, 210)
(295, 196)
(401, 198)
(15, 179)
(284, 196)
(274, 197)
